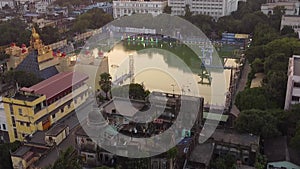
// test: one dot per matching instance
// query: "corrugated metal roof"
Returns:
(58, 83)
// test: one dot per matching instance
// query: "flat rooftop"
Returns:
(296, 65)
(21, 96)
(202, 153)
(125, 106)
(56, 84)
(56, 130)
(235, 138)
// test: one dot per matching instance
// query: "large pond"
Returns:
(158, 66)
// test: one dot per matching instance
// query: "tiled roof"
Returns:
(30, 64)
(58, 83)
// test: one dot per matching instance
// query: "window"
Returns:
(296, 84)
(27, 124)
(62, 110)
(53, 116)
(15, 133)
(21, 123)
(11, 109)
(295, 98)
(13, 121)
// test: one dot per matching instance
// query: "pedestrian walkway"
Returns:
(241, 86)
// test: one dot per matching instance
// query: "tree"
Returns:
(276, 62)
(133, 91)
(288, 31)
(260, 161)
(288, 46)
(254, 98)
(105, 83)
(66, 160)
(24, 79)
(5, 150)
(204, 22)
(49, 34)
(255, 52)
(275, 86)
(275, 18)
(224, 162)
(250, 20)
(257, 66)
(92, 19)
(264, 34)
(14, 30)
(171, 155)
(258, 122)
(167, 9)
(187, 11)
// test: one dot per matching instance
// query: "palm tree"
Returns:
(105, 83)
(68, 159)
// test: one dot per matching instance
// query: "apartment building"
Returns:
(214, 8)
(293, 84)
(128, 7)
(40, 106)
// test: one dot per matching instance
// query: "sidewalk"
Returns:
(241, 86)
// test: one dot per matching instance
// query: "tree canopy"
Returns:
(24, 79)
(5, 150)
(258, 122)
(133, 91)
(67, 159)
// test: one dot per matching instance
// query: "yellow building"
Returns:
(40, 106)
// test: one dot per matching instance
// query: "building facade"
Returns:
(40, 106)
(293, 84)
(9, 3)
(214, 8)
(128, 7)
(291, 8)
(3, 124)
(292, 21)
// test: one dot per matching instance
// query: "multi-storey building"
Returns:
(293, 84)
(128, 7)
(292, 21)
(40, 106)
(214, 8)
(8, 3)
(291, 8)
(3, 124)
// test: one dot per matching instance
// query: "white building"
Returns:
(293, 84)
(10, 3)
(3, 123)
(292, 21)
(41, 6)
(291, 8)
(128, 7)
(214, 8)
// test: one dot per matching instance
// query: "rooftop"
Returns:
(202, 153)
(21, 96)
(235, 138)
(117, 104)
(26, 151)
(57, 83)
(56, 130)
